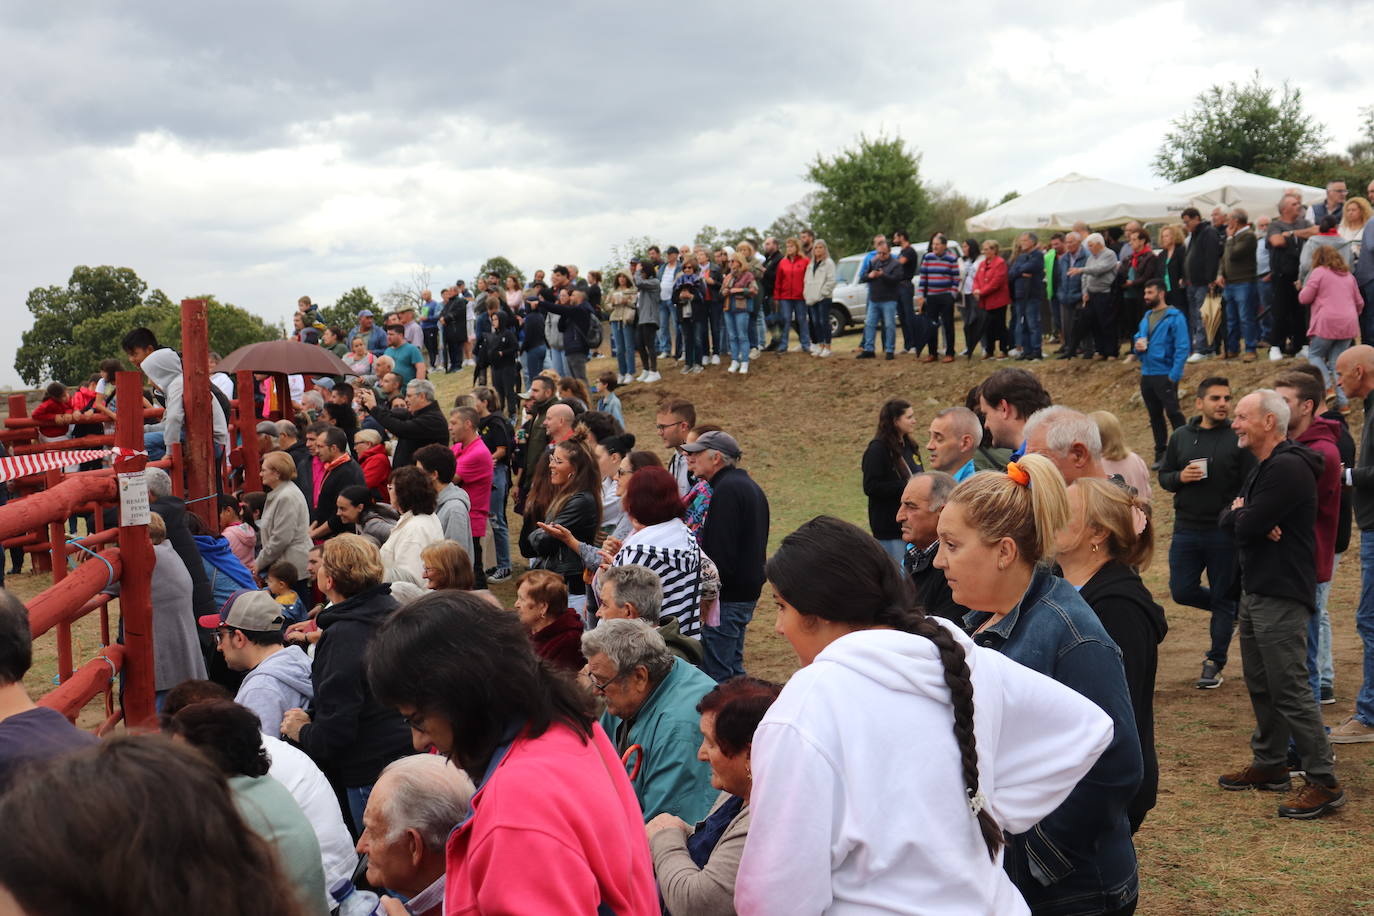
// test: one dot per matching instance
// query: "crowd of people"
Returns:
(335, 679)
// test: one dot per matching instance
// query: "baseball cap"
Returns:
(247, 609)
(365, 313)
(717, 441)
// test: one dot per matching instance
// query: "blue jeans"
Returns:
(717, 328)
(1320, 671)
(737, 334)
(820, 322)
(1197, 295)
(357, 803)
(1239, 299)
(1025, 325)
(500, 532)
(534, 362)
(559, 360)
(724, 645)
(895, 548)
(689, 335)
(757, 331)
(1190, 552)
(623, 336)
(1264, 309)
(1364, 625)
(886, 312)
(795, 308)
(664, 342)
(1323, 352)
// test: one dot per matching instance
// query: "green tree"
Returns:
(1249, 126)
(344, 313)
(949, 213)
(873, 187)
(230, 326)
(45, 350)
(502, 267)
(620, 259)
(714, 238)
(793, 220)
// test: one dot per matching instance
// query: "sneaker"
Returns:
(1211, 678)
(826, 351)
(891, 356)
(743, 368)
(865, 354)
(1352, 731)
(1275, 354)
(795, 348)
(734, 366)
(653, 377)
(696, 370)
(661, 355)
(1196, 358)
(499, 575)
(1328, 697)
(1252, 777)
(1302, 354)
(685, 370)
(1015, 353)
(1312, 800)
(753, 352)
(643, 376)
(1249, 356)
(715, 359)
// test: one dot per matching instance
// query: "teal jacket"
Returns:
(668, 728)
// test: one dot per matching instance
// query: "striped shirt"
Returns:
(939, 273)
(670, 550)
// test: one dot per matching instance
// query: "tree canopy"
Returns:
(344, 313)
(1250, 126)
(872, 187)
(502, 267)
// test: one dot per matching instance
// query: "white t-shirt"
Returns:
(294, 769)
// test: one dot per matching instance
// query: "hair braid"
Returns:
(961, 697)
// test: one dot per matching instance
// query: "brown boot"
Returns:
(1252, 777)
(1312, 800)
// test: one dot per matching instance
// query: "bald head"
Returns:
(558, 421)
(1355, 371)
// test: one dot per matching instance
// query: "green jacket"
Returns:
(668, 728)
(1050, 258)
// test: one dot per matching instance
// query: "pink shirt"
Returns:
(474, 475)
(1336, 304)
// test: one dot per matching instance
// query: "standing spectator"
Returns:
(1117, 458)
(817, 286)
(660, 541)
(452, 504)
(1286, 238)
(993, 292)
(916, 329)
(284, 529)
(1102, 554)
(340, 471)
(412, 495)
(609, 402)
(919, 515)
(884, 279)
(1007, 399)
(176, 647)
(1278, 585)
(767, 312)
(373, 335)
(1236, 277)
(1327, 237)
(348, 732)
(1027, 275)
(647, 315)
(373, 459)
(1335, 320)
(497, 435)
(410, 328)
(406, 358)
(534, 343)
(360, 359)
(1355, 372)
(575, 320)
(574, 503)
(955, 435)
(474, 472)
(740, 290)
(689, 303)
(1171, 256)
(939, 283)
(419, 425)
(1141, 267)
(667, 278)
(1161, 342)
(1331, 205)
(1068, 293)
(1099, 274)
(500, 352)
(453, 328)
(735, 536)
(541, 603)
(889, 461)
(622, 300)
(971, 258)
(789, 291)
(674, 420)
(713, 268)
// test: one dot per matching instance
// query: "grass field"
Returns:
(803, 424)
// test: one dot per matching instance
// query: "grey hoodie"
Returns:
(279, 683)
(455, 514)
(163, 368)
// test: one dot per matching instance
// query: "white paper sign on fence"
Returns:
(133, 499)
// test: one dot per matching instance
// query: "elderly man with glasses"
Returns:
(651, 716)
(422, 422)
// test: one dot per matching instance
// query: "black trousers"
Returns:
(1080, 327)
(431, 336)
(995, 330)
(478, 572)
(455, 336)
(1290, 330)
(506, 381)
(913, 337)
(1103, 320)
(1160, 395)
(940, 308)
(648, 346)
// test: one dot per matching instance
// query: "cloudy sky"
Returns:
(262, 151)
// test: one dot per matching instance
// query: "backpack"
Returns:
(594, 333)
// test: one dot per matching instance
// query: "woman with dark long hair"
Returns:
(574, 503)
(840, 821)
(551, 789)
(888, 463)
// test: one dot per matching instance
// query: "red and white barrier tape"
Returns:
(24, 465)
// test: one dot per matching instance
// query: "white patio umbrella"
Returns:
(1075, 197)
(1229, 187)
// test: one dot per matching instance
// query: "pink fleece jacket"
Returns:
(1336, 304)
(555, 829)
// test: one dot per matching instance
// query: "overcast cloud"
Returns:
(262, 151)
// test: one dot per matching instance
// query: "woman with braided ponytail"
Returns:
(876, 785)
(995, 531)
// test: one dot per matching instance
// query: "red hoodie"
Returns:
(791, 279)
(1322, 437)
(555, 828)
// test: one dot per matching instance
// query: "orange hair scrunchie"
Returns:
(1018, 474)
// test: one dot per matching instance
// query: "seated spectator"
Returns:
(162, 365)
(469, 684)
(227, 734)
(414, 806)
(541, 603)
(359, 513)
(413, 496)
(237, 531)
(633, 592)
(70, 812)
(696, 865)
(224, 571)
(445, 564)
(1117, 459)
(338, 472)
(281, 580)
(248, 633)
(28, 733)
(375, 462)
(651, 699)
(660, 540)
(267, 437)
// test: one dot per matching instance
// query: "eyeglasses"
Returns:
(415, 721)
(600, 686)
(624, 472)
(662, 426)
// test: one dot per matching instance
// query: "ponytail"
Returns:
(1029, 504)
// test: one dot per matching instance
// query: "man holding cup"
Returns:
(1204, 467)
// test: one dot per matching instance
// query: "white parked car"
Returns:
(850, 298)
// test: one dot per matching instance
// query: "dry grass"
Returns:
(803, 424)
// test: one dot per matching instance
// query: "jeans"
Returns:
(559, 359)
(576, 364)
(623, 335)
(1264, 309)
(534, 362)
(1323, 352)
(1239, 299)
(500, 531)
(1197, 295)
(1160, 394)
(757, 328)
(665, 327)
(737, 334)
(795, 308)
(1190, 552)
(1025, 325)
(820, 322)
(886, 312)
(357, 803)
(724, 645)
(895, 548)
(716, 313)
(939, 308)
(1320, 670)
(691, 339)
(1364, 625)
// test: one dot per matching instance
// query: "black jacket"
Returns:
(533, 331)
(735, 533)
(580, 515)
(1204, 256)
(1136, 624)
(1282, 492)
(428, 425)
(345, 475)
(1362, 476)
(173, 512)
(351, 736)
(883, 485)
(932, 591)
(770, 274)
(1197, 504)
(1345, 443)
(499, 349)
(883, 288)
(575, 321)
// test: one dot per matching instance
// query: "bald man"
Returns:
(955, 434)
(558, 423)
(1355, 375)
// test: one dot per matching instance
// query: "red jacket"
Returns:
(49, 409)
(561, 642)
(990, 284)
(791, 278)
(1323, 437)
(376, 470)
(555, 828)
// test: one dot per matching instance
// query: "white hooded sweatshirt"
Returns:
(163, 368)
(859, 803)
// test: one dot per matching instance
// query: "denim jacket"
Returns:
(1069, 290)
(1080, 858)
(1030, 288)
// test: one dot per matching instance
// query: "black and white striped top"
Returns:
(670, 550)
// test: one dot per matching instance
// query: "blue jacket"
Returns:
(1028, 288)
(1080, 858)
(1168, 346)
(668, 729)
(376, 338)
(225, 571)
(1069, 290)
(1364, 267)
